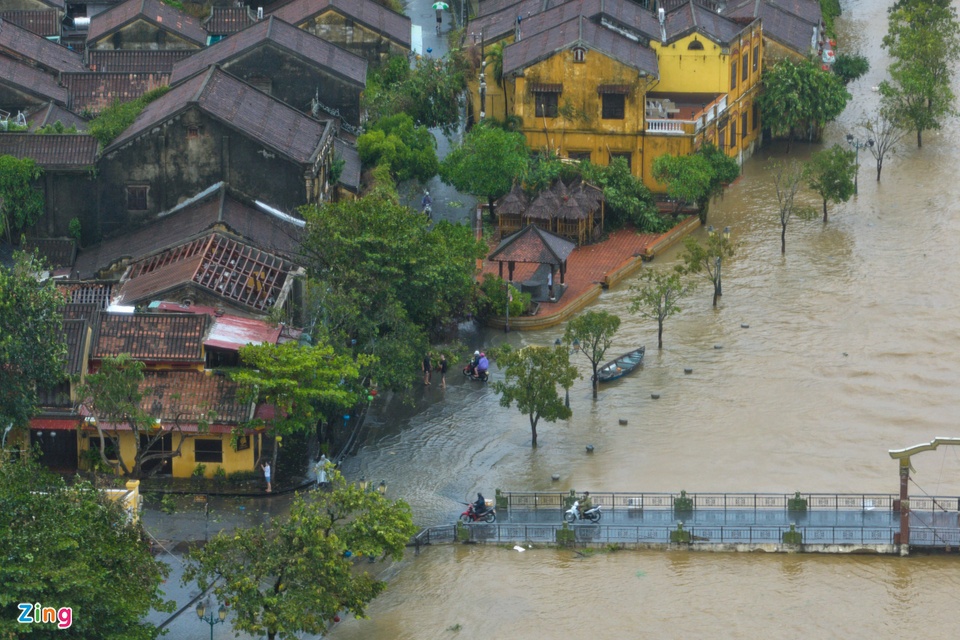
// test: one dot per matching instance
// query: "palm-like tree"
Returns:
(494, 60)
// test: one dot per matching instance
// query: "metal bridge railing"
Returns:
(712, 501)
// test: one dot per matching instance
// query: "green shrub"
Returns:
(75, 229)
(113, 120)
(200, 470)
(849, 67)
(168, 503)
(492, 298)
(220, 474)
(239, 477)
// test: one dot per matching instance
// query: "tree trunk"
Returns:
(716, 294)
(273, 463)
(919, 138)
(824, 211)
(879, 167)
(596, 380)
(660, 335)
(493, 215)
(783, 240)
(533, 430)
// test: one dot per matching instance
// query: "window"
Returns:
(612, 106)
(695, 45)
(578, 155)
(756, 56)
(756, 116)
(242, 442)
(745, 71)
(733, 75)
(743, 124)
(136, 198)
(579, 54)
(193, 133)
(109, 448)
(721, 138)
(626, 156)
(547, 104)
(733, 134)
(208, 450)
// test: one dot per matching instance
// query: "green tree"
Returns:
(295, 574)
(532, 375)
(830, 173)
(706, 260)
(593, 332)
(689, 179)
(431, 93)
(21, 202)
(487, 163)
(787, 178)
(32, 352)
(850, 66)
(725, 170)
(492, 298)
(408, 150)
(628, 200)
(886, 134)
(298, 381)
(659, 297)
(495, 65)
(923, 38)
(69, 546)
(800, 95)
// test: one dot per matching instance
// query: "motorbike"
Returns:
(489, 514)
(573, 513)
(470, 372)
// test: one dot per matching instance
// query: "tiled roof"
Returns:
(523, 8)
(187, 223)
(75, 333)
(350, 176)
(190, 396)
(31, 80)
(162, 15)
(135, 60)
(51, 151)
(692, 17)
(43, 22)
(234, 102)
(95, 91)
(23, 44)
(229, 332)
(332, 58)
(579, 30)
(808, 10)
(56, 4)
(236, 272)
(150, 337)
(51, 113)
(227, 20)
(533, 244)
(781, 26)
(81, 310)
(58, 252)
(371, 15)
(98, 294)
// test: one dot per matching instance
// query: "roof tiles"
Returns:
(135, 60)
(24, 44)
(31, 80)
(368, 13)
(95, 91)
(42, 22)
(227, 20)
(52, 151)
(150, 337)
(162, 15)
(191, 397)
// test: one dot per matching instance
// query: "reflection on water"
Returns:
(849, 349)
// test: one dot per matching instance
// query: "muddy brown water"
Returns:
(851, 349)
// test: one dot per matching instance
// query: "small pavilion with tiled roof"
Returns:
(534, 245)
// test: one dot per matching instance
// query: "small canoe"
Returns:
(621, 366)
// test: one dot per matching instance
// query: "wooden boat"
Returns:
(621, 366)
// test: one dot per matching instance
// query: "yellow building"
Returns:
(592, 81)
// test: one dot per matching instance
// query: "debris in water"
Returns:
(518, 548)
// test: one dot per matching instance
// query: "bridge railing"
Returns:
(534, 500)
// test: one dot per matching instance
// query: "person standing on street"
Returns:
(439, 20)
(442, 369)
(426, 370)
(266, 475)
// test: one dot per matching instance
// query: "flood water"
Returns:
(850, 348)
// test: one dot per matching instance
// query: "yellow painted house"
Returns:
(592, 81)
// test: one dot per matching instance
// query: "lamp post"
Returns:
(483, 89)
(382, 488)
(363, 483)
(718, 285)
(857, 144)
(575, 350)
(211, 620)
(506, 327)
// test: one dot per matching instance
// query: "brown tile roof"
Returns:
(135, 60)
(523, 8)
(163, 16)
(43, 22)
(779, 25)
(190, 396)
(371, 15)
(56, 4)
(75, 334)
(236, 272)
(227, 20)
(808, 10)
(306, 46)
(81, 311)
(691, 17)
(150, 337)
(95, 91)
(234, 102)
(533, 244)
(51, 113)
(541, 46)
(350, 177)
(52, 151)
(97, 294)
(188, 222)
(31, 80)
(25, 45)
(58, 252)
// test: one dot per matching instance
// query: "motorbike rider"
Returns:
(585, 503)
(482, 365)
(472, 365)
(480, 505)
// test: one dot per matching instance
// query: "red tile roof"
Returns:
(51, 113)
(225, 267)
(321, 53)
(150, 337)
(228, 331)
(135, 60)
(371, 15)
(190, 396)
(25, 45)
(58, 252)
(95, 91)
(52, 151)
(227, 20)
(234, 102)
(163, 16)
(31, 80)
(43, 22)
(533, 244)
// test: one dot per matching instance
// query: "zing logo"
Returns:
(35, 614)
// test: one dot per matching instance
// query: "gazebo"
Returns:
(510, 211)
(534, 245)
(570, 211)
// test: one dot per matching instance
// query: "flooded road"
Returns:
(844, 348)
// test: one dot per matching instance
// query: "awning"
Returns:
(50, 424)
(543, 87)
(621, 89)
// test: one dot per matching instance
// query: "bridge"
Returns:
(813, 522)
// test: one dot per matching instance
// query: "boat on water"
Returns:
(621, 366)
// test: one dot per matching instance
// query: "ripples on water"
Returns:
(852, 349)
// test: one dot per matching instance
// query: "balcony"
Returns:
(682, 114)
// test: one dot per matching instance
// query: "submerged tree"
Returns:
(787, 178)
(295, 574)
(659, 297)
(592, 333)
(886, 134)
(706, 260)
(830, 173)
(532, 376)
